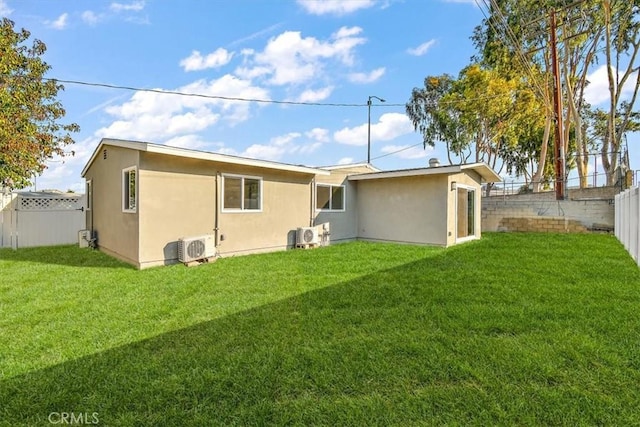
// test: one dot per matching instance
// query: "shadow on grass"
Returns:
(69, 255)
(429, 342)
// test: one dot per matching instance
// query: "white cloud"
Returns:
(152, 127)
(318, 134)
(226, 86)
(422, 49)
(196, 61)
(60, 23)
(252, 73)
(4, 8)
(597, 91)
(406, 151)
(153, 116)
(61, 170)
(264, 152)
(346, 32)
(345, 161)
(315, 95)
(280, 146)
(308, 148)
(291, 59)
(390, 126)
(334, 7)
(90, 17)
(134, 6)
(367, 77)
(282, 140)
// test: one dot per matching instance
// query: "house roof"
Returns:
(487, 174)
(200, 155)
(351, 166)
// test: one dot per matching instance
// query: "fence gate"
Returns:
(42, 219)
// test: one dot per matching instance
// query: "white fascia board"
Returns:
(482, 169)
(352, 165)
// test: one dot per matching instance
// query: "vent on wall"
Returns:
(196, 248)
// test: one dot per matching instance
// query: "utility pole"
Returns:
(369, 126)
(557, 104)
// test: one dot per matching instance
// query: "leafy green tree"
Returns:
(481, 116)
(514, 40)
(435, 117)
(30, 132)
(621, 46)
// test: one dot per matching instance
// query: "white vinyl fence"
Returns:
(40, 219)
(627, 223)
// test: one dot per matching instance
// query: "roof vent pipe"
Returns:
(434, 162)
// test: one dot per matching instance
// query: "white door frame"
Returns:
(475, 213)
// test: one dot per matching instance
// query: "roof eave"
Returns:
(201, 155)
(486, 173)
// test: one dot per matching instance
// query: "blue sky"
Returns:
(314, 51)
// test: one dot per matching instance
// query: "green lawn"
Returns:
(515, 329)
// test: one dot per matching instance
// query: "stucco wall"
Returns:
(286, 205)
(117, 231)
(344, 225)
(177, 199)
(406, 209)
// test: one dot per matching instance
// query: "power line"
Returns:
(508, 34)
(397, 151)
(256, 100)
(219, 97)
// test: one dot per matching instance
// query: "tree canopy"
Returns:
(502, 104)
(30, 131)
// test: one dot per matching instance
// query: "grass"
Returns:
(515, 329)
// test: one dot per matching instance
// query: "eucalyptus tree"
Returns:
(621, 46)
(481, 116)
(436, 117)
(515, 39)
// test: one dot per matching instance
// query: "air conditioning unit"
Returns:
(196, 248)
(307, 236)
(84, 237)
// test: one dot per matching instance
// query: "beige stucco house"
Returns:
(144, 197)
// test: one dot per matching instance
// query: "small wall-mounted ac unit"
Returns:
(196, 248)
(307, 236)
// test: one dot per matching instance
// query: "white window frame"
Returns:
(473, 236)
(331, 187)
(89, 194)
(126, 208)
(242, 209)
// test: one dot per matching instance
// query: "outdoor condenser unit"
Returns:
(307, 236)
(196, 248)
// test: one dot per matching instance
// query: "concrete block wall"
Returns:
(542, 224)
(541, 212)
